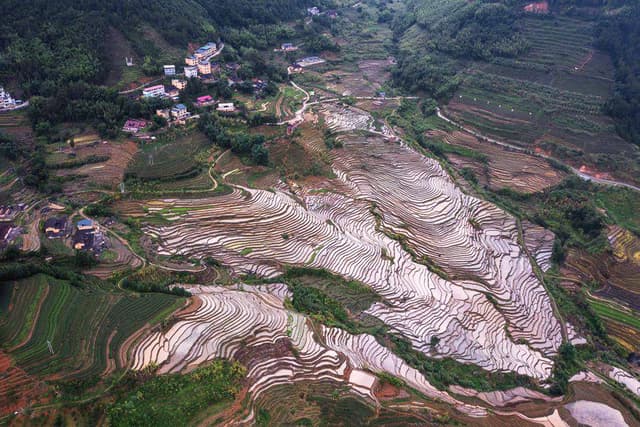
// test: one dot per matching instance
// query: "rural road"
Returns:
(584, 176)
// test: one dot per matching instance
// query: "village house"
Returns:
(190, 72)
(288, 47)
(85, 224)
(56, 227)
(226, 107)
(134, 125)
(204, 101)
(309, 61)
(204, 67)
(191, 60)
(7, 102)
(179, 83)
(539, 7)
(205, 51)
(153, 91)
(169, 70)
(164, 113)
(295, 68)
(83, 240)
(313, 11)
(173, 93)
(179, 112)
(332, 14)
(5, 233)
(215, 67)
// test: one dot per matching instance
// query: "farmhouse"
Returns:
(190, 72)
(295, 68)
(173, 93)
(55, 227)
(179, 83)
(153, 91)
(83, 240)
(7, 102)
(134, 125)
(206, 100)
(85, 224)
(164, 113)
(539, 7)
(226, 107)
(309, 61)
(179, 112)
(169, 70)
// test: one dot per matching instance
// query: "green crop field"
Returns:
(622, 205)
(608, 311)
(85, 326)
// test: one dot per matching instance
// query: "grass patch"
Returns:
(171, 400)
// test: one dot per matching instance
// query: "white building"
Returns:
(190, 72)
(226, 107)
(153, 91)
(169, 70)
(6, 101)
(179, 112)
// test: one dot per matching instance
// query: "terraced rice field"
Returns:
(504, 169)
(431, 252)
(253, 326)
(43, 309)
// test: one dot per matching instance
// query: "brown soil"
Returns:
(17, 388)
(110, 172)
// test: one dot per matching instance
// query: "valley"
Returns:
(324, 241)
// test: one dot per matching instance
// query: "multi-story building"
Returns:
(205, 51)
(153, 91)
(179, 112)
(190, 72)
(191, 60)
(204, 67)
(169, 70)
(179, 83)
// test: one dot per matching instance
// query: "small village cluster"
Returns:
(198, 65)
(7, 102)
(86, 235)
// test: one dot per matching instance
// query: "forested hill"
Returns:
(437, 39)
(45, 43)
